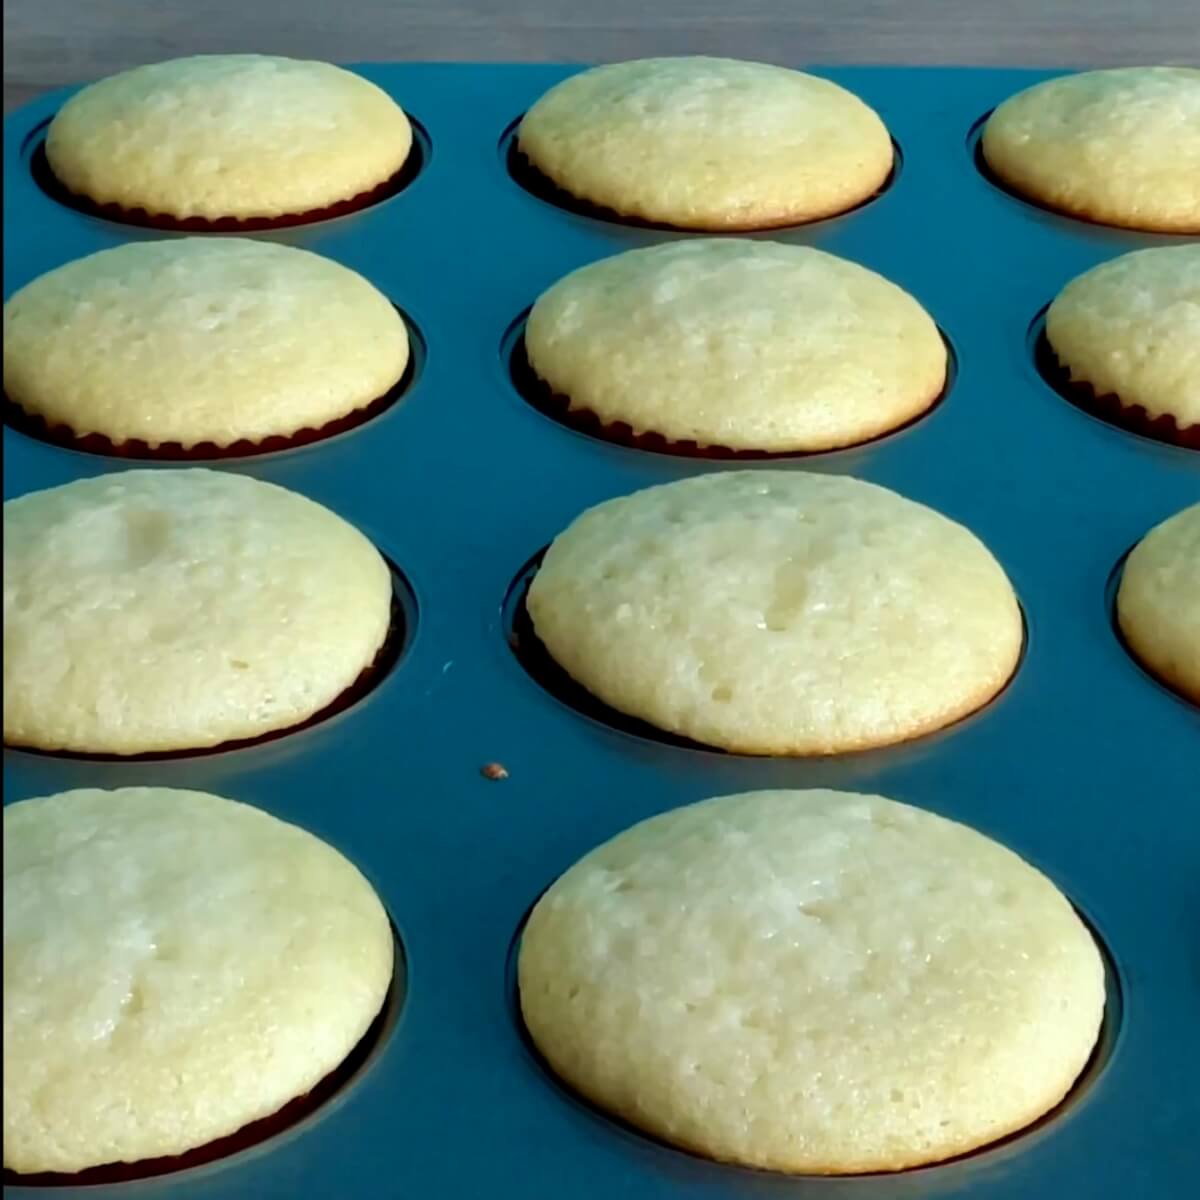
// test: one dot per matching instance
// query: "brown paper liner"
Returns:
(1109, 407)
(50, 184)
(537, 183)
(258, 1131)
(58, 434)
(558, 407)
(368, 679)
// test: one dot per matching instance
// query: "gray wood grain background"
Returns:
(48, 43)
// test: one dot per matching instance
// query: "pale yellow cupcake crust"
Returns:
(200, 340)
(729, 342)
(1158, 601)
(174, 610)
(176, 966)
(708, 143)
(812, 982)
(228, 135)
(1119, 147)
(1131, 328)
(778, 612)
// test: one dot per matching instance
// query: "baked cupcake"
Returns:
(707, 143)
(1126, 337)
(176, 966)
(1158, 602)
(812, 982)
(740, 344)
(778, 612)
(237, 137)
(163, 347)
(1119, 147)
(174, 610)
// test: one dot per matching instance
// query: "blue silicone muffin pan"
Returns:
(1085, 765)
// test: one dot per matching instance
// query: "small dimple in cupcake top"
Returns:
(1119, 147)
(159, 611)
(146, 1013)
(812, 982)
(1158, 602)
(239, 136)
(1129, 329)
(777, 612)
(200, 341)
(708, 143)
(743, 345)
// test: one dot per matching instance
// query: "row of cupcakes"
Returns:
(764, 612)
(812, 982)
(690, 142)
(723, 344)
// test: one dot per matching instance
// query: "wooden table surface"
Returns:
(48, 43)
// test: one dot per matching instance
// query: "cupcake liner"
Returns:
(559, 407)
(249, 1135)
(49, 183)
(1108, 406)
(386, 658)
(539, 184)
(58, 433)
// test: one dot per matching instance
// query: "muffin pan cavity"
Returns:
(400, 636)
(526, 176)
(955, 1173)
(39, 168)
(1111, 588)
(1129, 418)
(556, 407)
(537, 662)
(35, 426)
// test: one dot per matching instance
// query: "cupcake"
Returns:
(173, 610)
(707, 143)
(812, 982)
(778, 612)
(176, 967)
(221, 342)
(237, 137)
(1126, 337)
(1119, 147)
(1158, 602)
(739, 344)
